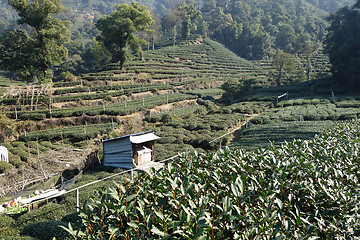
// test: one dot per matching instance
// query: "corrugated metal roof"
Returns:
(143, 138)
(130, 135)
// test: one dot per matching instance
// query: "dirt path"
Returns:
(235, 132)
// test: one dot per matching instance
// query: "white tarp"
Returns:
(143, 138)
(4, 155)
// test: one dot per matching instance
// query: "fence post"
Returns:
(77, 200)
(333, 96)
(16, 114)
(246, 122)
(300, 117)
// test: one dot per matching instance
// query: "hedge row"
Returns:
(108, 88)
(76, 133)
(111, 109)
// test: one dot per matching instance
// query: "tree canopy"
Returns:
(343, 46)
(283, 61)
(32, 53)
(118, 30)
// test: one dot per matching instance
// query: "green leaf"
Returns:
(279, 203)
(156, 231)
(159, 214)
(199, 232)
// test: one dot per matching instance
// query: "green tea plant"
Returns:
(77, 133)
(300, 190)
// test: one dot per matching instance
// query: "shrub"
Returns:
(298, 102)
(16, 161)
(288, 103)
(306, 101)
(257, 120)
(226, 110)
(48, 144)
(248, 110)
(16, 237)
(5, 166)
(20, 151)
(73, 218)
(7, 226)
(68, 76)
(347, 116)
(47, 230)
(166, 118)
(315, 101)
(281, 103)
(32, 116)
(49, 212)
(18, 144)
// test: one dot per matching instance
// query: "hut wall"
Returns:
(118, 153)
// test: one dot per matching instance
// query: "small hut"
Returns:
(129, 151)
(4, 154)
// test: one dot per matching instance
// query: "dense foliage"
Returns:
(32, 54)
(342, 44)
(302, 189)
(253, 29)
(331, 5)
(118, 30)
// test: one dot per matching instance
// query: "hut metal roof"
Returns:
(137, 137)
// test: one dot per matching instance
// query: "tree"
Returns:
(171, 22)
(7, 128)
(232, 87)
(118, 30)
(308, 50)
(342, 44)
(283, 61)
(31, 55)
(191, 16)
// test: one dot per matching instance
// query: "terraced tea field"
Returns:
(166, 86)
(165, 91)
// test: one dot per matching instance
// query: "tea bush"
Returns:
(301, 189)
(5, 166)
(47, 230)
(49, 212)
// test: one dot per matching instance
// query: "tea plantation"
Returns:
(298, 190)
(303, 188)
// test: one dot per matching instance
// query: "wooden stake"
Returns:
(77, 200)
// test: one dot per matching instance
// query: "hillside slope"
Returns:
(114, 102)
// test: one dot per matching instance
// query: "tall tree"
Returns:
(191, 16)
(171, 21)
(283, 61)
(118, 30)
(343, 44)
(31, 55)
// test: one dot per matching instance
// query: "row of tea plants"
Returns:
(299, 190)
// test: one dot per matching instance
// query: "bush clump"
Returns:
(5, 166)
(47, 230)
